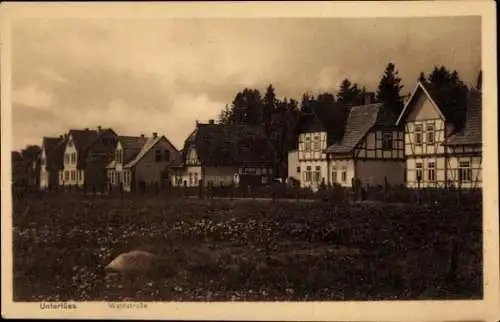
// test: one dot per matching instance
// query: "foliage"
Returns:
(349, 93)
(243, 250)
(389, 89)
(449, 92)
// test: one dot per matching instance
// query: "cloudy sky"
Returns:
(144, 76)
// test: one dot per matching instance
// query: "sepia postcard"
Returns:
(291, 161)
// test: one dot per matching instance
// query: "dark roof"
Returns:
(50, 143)
(472, 131)
(360, 121)
(55, 156)
(84, 140)
(132, 145)
(229, 145)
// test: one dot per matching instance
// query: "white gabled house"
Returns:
(438, 153)
(142, 160)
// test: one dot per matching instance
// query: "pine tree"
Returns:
(389, 90)
(349, 93)
(450, 94)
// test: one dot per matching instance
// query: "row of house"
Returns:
(101, 159)
(421, 147)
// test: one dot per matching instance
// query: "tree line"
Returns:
(279, 116)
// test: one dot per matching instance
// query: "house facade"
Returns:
(437, 153)
(142, 161)
(220, 154)
(85, 156)
(51, 162)
(313, 139)
(371, 149)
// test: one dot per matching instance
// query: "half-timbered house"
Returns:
(221, 154)
(438, 153)
(142, 161)
(371, 149)
(314, 135)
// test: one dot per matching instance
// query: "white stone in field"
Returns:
(136, 261)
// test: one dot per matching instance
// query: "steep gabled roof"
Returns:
(55, 156)
(419, 88)
(230, 145)
(82, 138)
(50, 143)
(360, 121)
(472, 131)
(150, 143)
(131, 145)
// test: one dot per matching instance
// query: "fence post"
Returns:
(419, 178)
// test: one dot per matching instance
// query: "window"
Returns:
(70, 143)
(464, 171)
(158, 156)
(431, 171)
(66, 175)
(66, 158)
(196, 178)
(166, 155)
(307, 147)
(73, 157)
(190, 179)
(334, 175)
(42, 162)
(308, 174)
(119, 156)
(430, 133)
(387, 141)
(73, 175)
(316, 143)
(418, 134)
(419, 171)
(344, 175)
(317, 174)
(298, 169)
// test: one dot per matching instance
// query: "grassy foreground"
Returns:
(245, 250)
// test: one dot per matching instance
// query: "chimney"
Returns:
(61, 136)
(99, 128)
(211, 121)
(369, 98)
(142, 135)
(155, 134)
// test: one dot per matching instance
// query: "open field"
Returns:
(245, 249)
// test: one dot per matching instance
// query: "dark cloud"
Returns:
(142, 75)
